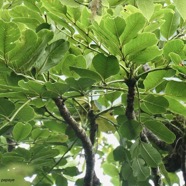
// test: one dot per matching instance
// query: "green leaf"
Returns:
(115, 25)
(146, 55)
(134, 23)
(61, 180)
(155, 78)
(81, 84)
(146, 7)
(21, 131)
(61, 22)
(106, 66)
(154, 104)
(54, 53)
(29, 49)
(26, 114)
(40, 133)
(141, 42)
(32, 86)
(176, 106)
(151, 156)
(129, 129)
(176, 90)
(6, 107)
(119, 153)
(169, 27)
(9, 34)
(71, 171)
(175, 58)
(181, 7)
(60, 138)
(140, 171)
(110, 169)
(72, 61)
(86, 73)
(176, 46)
(57, 87)
(160, 130)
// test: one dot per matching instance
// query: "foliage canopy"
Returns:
(74, 72)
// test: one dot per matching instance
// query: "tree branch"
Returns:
(86, 142)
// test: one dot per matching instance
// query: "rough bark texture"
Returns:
(90, 178)
(130, 98)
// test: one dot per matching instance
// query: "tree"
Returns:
(73, 71)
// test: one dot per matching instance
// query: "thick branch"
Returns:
(130, 98)
(81, 134)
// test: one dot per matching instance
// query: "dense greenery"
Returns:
(73, 72)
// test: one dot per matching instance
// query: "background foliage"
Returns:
(118, 66)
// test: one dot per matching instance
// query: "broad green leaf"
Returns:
(110, 169)
(6, 107)
(155, 78)
(181, 7)
(28, 50)
(26, 114)
(72, 61)
(107, 38)
(119, 153)
(25, 12)
(61, 180)
(140, 171)
(141, 42)
(86, 73)
(74, 13)
(129, 129)
(32, 86)
(169, 27)
(70, 3)
(21, 131)
(146, 7)
(71, 171)
(55, 126)
(176, 106)
(175, 58)
(176, 90)
(57, 139)
(134, 23)
(55, 7)
(9, 34)
(146, 55)
(111, 97)
(105, 123)
(41, 153)
(126, 171)
(54, 53)
(40, 133)
(57, 87)
(81, 84)
(61, 21)
(115, 25)
(161, 131)
(106, 66)
(154, 104)
(176, 46)
(151, 156)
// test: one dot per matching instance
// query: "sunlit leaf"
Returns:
(181, 7)
(134, 23)
(141, 42)
(146, 7)
(106, 66)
